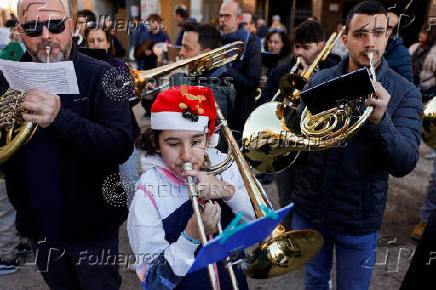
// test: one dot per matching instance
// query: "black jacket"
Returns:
(55, 181)
(246, 75)
(345, 188)
(272, 83)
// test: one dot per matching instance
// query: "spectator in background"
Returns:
(85, 19)
(15, 48)
(276, 24)
(339, 48)
(396, 54)
(276, 42)
(181, 15)
(151, 33)
(423, 56)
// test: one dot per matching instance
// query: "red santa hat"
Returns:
(184, 108)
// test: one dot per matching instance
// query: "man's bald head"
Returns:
(25, 6)
(44, 42)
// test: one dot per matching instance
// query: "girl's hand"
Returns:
(210, 216)
(209, 187)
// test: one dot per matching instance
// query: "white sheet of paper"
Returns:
(56, 78)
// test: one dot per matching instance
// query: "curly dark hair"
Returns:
(286, 49)
(145, 141)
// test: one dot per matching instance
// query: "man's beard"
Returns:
(60, 56)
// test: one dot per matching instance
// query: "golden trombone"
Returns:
(284, 251)
(203, 62)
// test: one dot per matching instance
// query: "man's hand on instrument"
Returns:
(210, 216)
(209, 187)
(44, 107)
(380, 103)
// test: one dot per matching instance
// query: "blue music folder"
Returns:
(252, 233)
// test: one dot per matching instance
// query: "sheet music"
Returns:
(56, 78)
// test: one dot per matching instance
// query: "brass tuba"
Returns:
(14, 130)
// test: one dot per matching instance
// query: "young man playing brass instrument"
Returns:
(341, 192)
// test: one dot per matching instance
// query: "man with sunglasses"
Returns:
(56, 181)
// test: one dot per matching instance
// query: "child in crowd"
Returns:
(163, 231)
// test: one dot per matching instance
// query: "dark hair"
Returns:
(309, 31)
(182, 12)
(144, 141)
(88, 14)
(155, 17)
(370, 7)
(107, 32)
(208, 35)
(286, 49)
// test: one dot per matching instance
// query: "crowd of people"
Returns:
(51, 188)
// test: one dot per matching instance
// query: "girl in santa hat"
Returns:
(162, 227)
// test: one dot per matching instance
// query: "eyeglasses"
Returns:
(34, 28)
(225, 16)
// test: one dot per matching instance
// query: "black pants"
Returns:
(422, 269)
(90, 265)
(285, 184)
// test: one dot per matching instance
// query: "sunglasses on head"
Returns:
(34, 28)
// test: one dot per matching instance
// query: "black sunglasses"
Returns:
(34, 28)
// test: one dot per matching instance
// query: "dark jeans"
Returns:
(90, 265)
(355, 258)
(285, 184)
(422, 269)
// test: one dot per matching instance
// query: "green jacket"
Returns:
(13, 51)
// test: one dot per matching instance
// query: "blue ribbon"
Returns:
(269, 213)
(231, 229)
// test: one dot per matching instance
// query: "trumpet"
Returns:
(195, 204)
